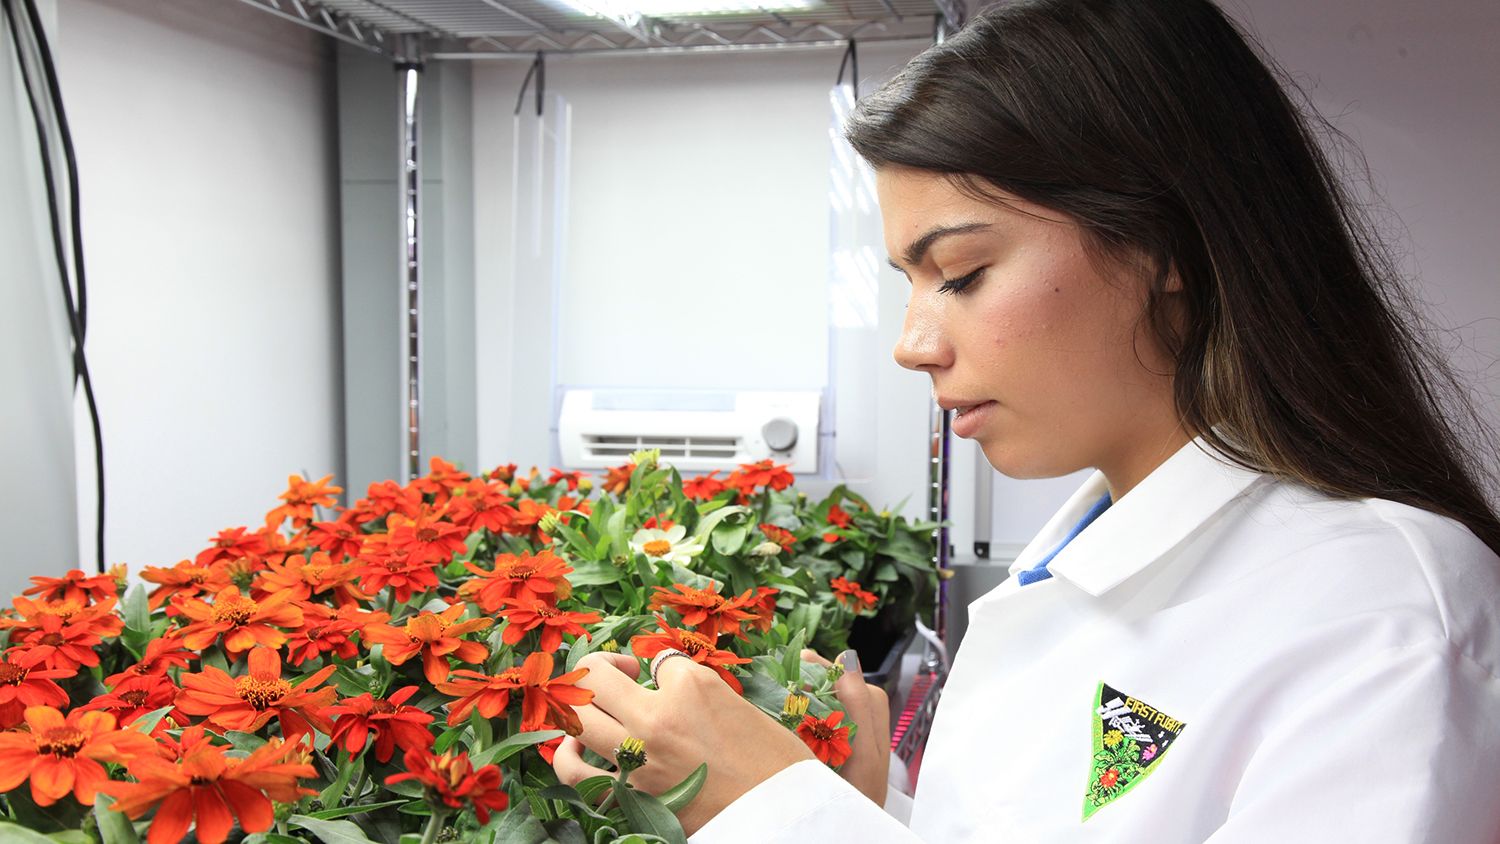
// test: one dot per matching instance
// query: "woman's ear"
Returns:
(1173, 280)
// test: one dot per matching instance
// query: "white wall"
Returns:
(205, 136)
(36, 434)
(698, 229)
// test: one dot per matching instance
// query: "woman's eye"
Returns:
(958, 285)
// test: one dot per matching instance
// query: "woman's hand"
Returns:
(693, 718)
(869, 766)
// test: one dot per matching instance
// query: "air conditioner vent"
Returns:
(695, 431)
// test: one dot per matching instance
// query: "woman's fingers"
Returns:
(611, 678)
(810, 655)
(569, 765)
(869, 766)
(602, 732)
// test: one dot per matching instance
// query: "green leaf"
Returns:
(594, 573)
(146, 723)
(244, 741)
(565, 831)
(345, 811)
(351, 682)
(713, 519)
(592, 788)
(569, 795)
(511, 746)
(334, 793)
(678, 796)
(791, 661)
(272, 838)
(72, 836)
(12, 834)
(729, 539)
(330, 832)
(648, 815)
(519, 827)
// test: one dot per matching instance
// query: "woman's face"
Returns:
(1047, 353)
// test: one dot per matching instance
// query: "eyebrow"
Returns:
(918, 248)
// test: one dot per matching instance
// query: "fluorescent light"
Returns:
(633, 10)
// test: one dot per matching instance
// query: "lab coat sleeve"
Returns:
(804, 802)
(1404, 748)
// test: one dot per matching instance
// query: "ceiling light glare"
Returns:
(634, 10)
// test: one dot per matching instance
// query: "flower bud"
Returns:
(610, 647)
(631, 754)
(793, 709)
(549, 522)
(585, 483)
(646, 457)
(765, 549)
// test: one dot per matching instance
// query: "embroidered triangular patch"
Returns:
(1130, 738)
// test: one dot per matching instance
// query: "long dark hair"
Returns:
(1162, 131)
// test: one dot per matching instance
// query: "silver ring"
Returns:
(657, 660)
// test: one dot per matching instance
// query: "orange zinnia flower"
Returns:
(503, 473)
(547, 702)
(706, 610)
(300, 498)
(542, 575)
(765, 473)
(489, 692)
(851, 595)
(528, 516)
(527, 613)
(305, 577)
(781, 536)
(570, 478)
(248, 702)
(617, 479)
(135, 696)
(244, 623)
(425, 539)
(379, 568)
(452, 780)
(829, 741)
(838, 517)
(186, 578)
(99, 617)
(703, 487)
(322, 631)
(161, 655)
(435, 637)
(695, 645)
(232, 544)
(387, 497)
(764, 608)
(440, 482)
(21, 687)
(62, 755)
(74, 586)
(393, 722)
(212, 789)
(341, 538)
(54, 644)
(483, 505)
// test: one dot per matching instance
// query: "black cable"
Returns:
(851, 57)
(538, 65)
(75, 323)
(66, 134)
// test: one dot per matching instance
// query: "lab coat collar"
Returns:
(1147, 522)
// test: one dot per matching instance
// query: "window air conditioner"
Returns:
(696, 431)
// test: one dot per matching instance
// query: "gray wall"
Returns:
(36, 426)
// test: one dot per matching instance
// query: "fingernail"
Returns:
(850, 660)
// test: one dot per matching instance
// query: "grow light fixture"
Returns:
(630, 12)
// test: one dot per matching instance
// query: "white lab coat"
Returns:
(1332, 664)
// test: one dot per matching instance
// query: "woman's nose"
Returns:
(922, 345)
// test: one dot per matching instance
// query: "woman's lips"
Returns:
(968, 420)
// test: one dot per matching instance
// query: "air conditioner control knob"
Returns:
(780, 433)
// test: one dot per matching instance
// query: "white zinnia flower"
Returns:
(670, 545)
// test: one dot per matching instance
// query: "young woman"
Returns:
(1268, 615)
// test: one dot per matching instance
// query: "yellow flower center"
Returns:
(60, 741)
(262, 693)
(657, 548)
(426, 627)
(693, 643)
(234, 609)
(821, 731)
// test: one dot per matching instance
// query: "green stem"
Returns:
(609, 799)
(359, 784)
(434, 825)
